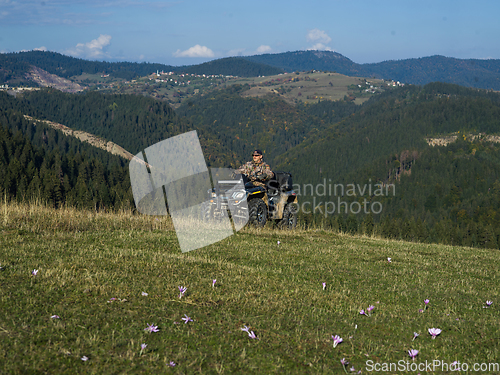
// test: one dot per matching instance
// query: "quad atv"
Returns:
(254, 204)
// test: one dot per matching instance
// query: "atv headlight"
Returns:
(238, 195)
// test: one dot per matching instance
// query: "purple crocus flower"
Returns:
(370, 308)
(488, 304)
(344, 363)
(413, 353)
(213, 283)
(186, 319)
(434, 332)
(336, 340)
(251, 334)
(388, 260)
(55, 317)
(151, 328)
(172, 364)
(415, 335)
(34, 272)
(426, 302)
(144, 294)
(182, 290)
(324, 286)
(362, 312)
(84, 358)
(455, 366)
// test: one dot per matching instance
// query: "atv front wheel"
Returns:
(257, 212)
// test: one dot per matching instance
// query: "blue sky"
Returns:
(188, 32)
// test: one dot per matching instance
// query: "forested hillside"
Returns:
(244, 124)
(40, 163)
(443, 193)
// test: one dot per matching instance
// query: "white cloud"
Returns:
(320, 39)
(320, 47)
(317, 35)
(263, 49)
(196, 51)
(42, 48)
(93, 49)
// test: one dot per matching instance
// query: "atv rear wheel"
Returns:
(257, 212)
(289, 220)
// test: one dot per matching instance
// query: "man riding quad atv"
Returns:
(278, 202)
(262, 195)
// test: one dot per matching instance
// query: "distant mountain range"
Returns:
(484, 74)
(476, 73)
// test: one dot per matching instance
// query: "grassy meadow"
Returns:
(103, 278)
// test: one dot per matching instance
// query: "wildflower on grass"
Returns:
(488, 304)
(172, 364)
(362, 312)
(370, 308)
(84, 358)
(151, 328)
(34, 272)
(324, 286)
(182, 290)
(144, 294)
(426, 302)
(421, 310)
(388, 260)
(55, 317)
(413, 353)
(415, 335)
(251, 334)
(434, 332)
(279, 242)
(186, 319)
(143, 347)
(336, 340)
(213, 283)
(344, 364)
(455, 366)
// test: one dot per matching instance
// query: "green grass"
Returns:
(85, 259)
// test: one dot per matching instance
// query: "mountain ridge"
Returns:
(476, 73)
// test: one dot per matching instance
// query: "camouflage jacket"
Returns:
(256, 172)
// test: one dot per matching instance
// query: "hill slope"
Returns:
(102, 279)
